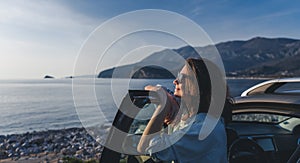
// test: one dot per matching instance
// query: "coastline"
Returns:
(249, 78)
(50, 146)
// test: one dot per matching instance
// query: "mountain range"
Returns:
(257, 57)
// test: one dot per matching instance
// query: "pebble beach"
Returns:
(51, 145)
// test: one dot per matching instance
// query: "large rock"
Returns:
(3, 154)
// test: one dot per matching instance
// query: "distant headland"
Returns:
(257, 57)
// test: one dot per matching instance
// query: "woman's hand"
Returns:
(161, 93)
(174, 108)
(165, 113)
(167, 102)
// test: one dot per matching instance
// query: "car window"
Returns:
(259, 117)
(289, 88)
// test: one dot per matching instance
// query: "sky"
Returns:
(44, 37)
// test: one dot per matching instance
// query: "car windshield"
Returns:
(259, 117)
(285, 122)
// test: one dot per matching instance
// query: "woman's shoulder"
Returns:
(217, 123)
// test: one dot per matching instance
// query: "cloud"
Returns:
(36, 34)
(42, 19)
(196, 11)
(41, 15)
(275, 15)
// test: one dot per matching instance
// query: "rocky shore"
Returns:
(50, 146)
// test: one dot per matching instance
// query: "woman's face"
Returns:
(178, 82)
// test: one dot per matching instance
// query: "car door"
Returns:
(133, 115)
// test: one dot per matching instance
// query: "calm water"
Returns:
(33, 105)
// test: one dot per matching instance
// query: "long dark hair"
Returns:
(202, 83)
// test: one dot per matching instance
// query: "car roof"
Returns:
(262, 87)
(267, 103)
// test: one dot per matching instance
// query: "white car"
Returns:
(275, 86)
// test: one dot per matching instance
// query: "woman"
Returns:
(193, 86)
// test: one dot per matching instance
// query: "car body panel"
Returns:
(268, 103)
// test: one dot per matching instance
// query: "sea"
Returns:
(48, 104)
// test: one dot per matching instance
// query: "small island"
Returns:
(48, 77)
